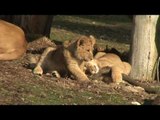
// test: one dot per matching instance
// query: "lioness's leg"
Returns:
(77, 72)
(38, 69)
(116, 74)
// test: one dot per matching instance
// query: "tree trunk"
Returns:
(31, 24)
(143, 49)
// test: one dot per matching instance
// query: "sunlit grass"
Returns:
(111, 30)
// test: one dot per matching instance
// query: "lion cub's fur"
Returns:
(67, 58)
(12, 41)
(113, 61)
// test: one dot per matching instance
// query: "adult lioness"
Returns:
(110, 60)
(67, 58)
(12, 41)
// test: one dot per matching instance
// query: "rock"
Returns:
(135, 103)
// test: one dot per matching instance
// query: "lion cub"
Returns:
(66, 59)
(113, 61)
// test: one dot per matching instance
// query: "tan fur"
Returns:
(112, 61)
(89, 67)
(67, 58)
(12, 41)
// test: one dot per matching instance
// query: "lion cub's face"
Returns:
(85, 46)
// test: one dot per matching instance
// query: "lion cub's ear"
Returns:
(81, 41)
(93, 40)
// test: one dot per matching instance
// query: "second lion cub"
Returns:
(113, 61)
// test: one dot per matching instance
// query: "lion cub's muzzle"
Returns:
(89, 58)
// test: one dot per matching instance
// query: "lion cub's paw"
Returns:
(38, 70)
(55, 74)
(84, 80)
(119, 81)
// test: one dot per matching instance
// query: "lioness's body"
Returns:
(67, 58)
(12, 41)
(111, 61)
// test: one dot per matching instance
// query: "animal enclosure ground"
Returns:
(19, 86)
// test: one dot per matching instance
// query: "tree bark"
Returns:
(31, 24)
(143, 48)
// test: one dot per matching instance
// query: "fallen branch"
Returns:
(149, 89)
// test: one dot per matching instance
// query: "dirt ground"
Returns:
(19, 86)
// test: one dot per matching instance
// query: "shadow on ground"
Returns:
(118, 32)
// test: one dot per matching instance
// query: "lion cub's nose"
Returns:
(89, 58)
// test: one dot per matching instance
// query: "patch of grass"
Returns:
(59, 96)
(111, 30)
(50, 94)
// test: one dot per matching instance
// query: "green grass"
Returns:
(47, 93)
(111, 30)
(59, 96)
